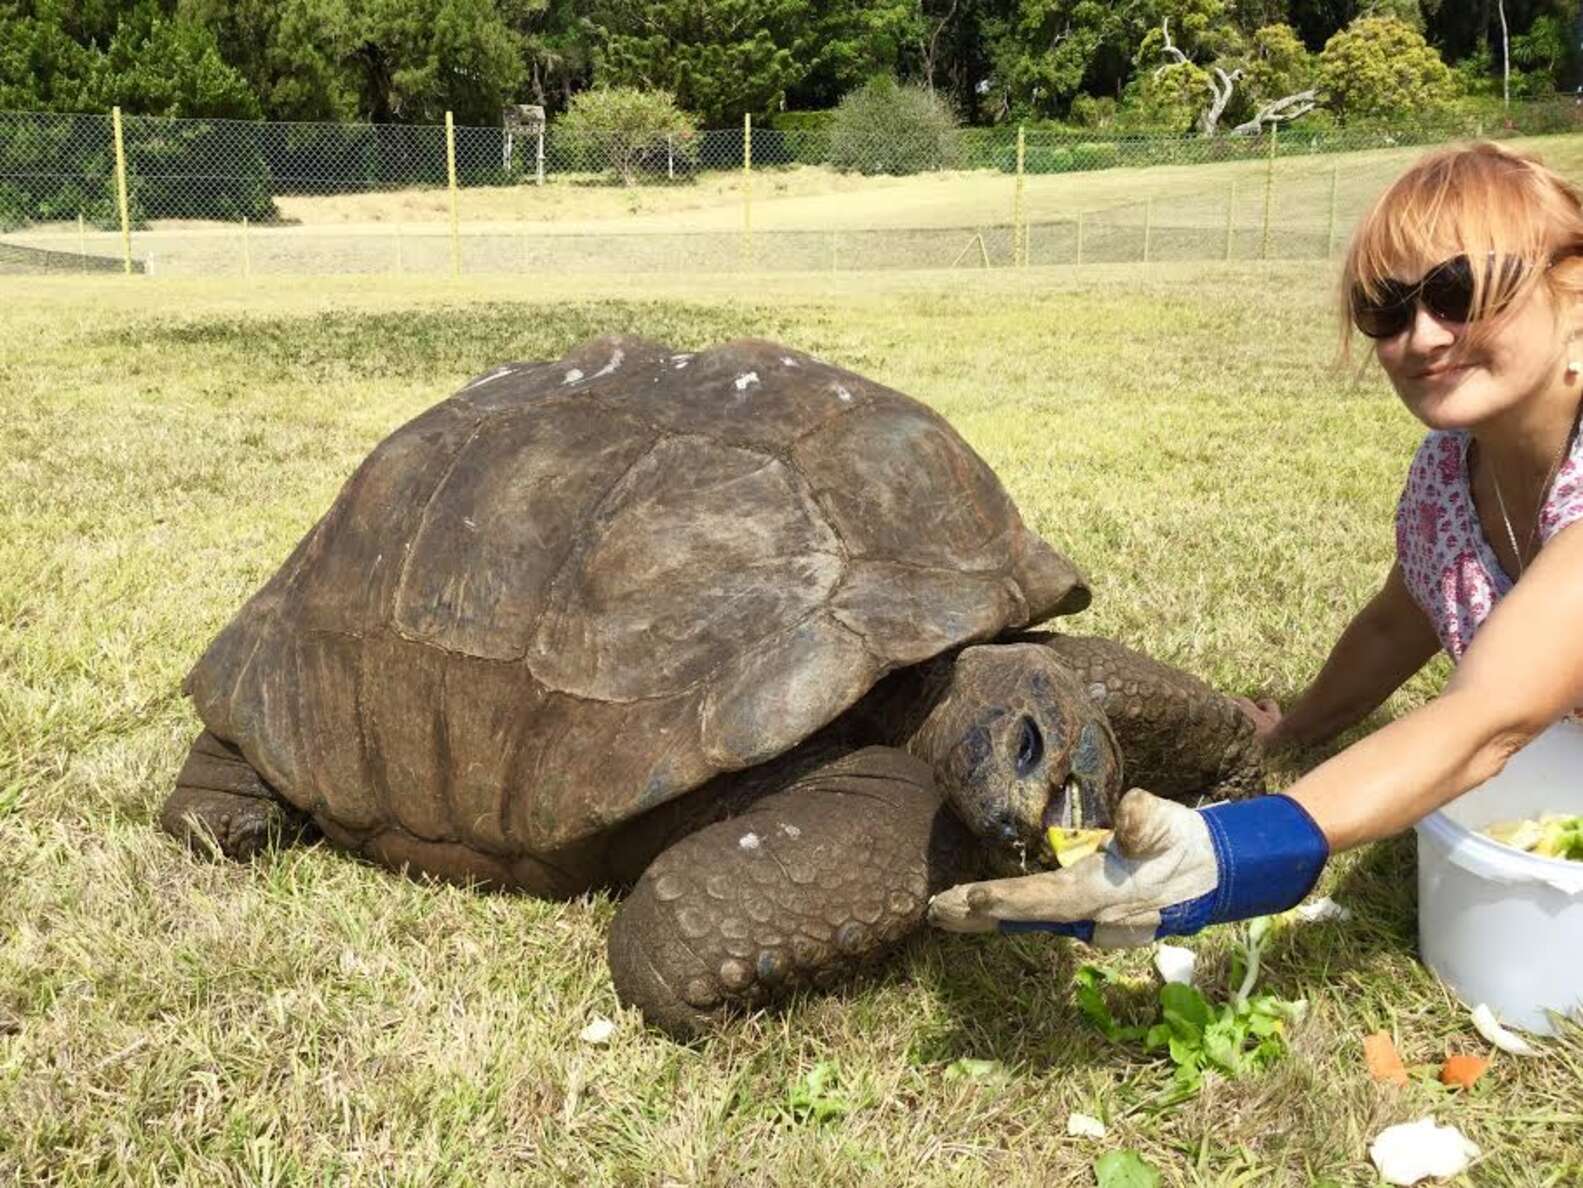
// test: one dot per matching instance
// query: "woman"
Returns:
(1468, 276)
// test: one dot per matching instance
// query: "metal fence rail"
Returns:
(226, 197)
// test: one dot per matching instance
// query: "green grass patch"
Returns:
(1180, 432)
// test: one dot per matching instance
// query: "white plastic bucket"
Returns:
(1497, 925)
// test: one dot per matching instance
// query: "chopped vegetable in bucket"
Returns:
(1553, 835)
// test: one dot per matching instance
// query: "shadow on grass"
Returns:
(1010, 999)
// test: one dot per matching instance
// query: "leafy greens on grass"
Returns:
(1238, 1037)
(1125, 1169)
(819, 1097)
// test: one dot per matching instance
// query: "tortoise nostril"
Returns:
(1006, 825)
(1030, 746)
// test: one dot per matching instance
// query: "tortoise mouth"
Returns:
(1076, 805)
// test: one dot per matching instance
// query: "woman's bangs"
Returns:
(1455, 203)
(1397, 243)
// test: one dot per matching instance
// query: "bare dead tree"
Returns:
(1506, 57)
(1221, 83)
(931, 44)
(1277, 111)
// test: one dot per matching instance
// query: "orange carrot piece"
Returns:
(1462, 1069)
(1384, 1064)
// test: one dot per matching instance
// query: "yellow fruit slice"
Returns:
(1073, 845)
(1522, 835)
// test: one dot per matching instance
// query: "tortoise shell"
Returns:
(576, 590)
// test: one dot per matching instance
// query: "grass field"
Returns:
(803, 218)
(1179, 430)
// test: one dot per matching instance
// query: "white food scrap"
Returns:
(1320, 909)
(1175, 963)
(1084, 1126)
(1490, 1028)
(1414, 1151)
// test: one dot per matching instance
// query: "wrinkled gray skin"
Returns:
(738, 630)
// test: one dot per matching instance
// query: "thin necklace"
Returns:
(1500, 499)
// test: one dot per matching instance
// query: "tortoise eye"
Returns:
(1030, 746)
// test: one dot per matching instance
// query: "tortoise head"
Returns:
(1017, 745)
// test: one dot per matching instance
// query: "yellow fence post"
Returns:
(1231, 216)
(1148, 226)
(1269, 195)
(1019, 247)
(247, 255)
(450, 169)
(1330, 235)
(120, 190)
(82, 242)
(747, 191)
(1079, 237)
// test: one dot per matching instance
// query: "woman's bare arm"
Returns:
(1523, 671)
(1387, 642)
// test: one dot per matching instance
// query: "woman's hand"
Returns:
(1265, 714)
(1169, 871)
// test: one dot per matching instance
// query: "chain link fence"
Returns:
(223, 197)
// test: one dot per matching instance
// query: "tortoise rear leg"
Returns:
(801, 890)
(222, 806)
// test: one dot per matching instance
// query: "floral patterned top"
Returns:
(1447, 562)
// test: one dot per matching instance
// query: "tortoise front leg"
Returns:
(220, 803)
(798, 892)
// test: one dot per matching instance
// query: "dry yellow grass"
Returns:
(805, 217)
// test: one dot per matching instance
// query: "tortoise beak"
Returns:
(1085, 798)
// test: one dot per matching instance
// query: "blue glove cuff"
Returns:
(1270, 853)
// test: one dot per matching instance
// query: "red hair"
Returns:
(1480, 200)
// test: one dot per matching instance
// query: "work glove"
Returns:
(1168, 870)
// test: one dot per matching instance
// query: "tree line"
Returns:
(1170, 65)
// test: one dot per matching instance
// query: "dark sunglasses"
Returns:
(1446, 291)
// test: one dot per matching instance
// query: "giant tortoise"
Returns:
(739, 630)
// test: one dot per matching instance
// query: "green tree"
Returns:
(142, 56)
(1277, 64)
(1379, 68)
(1253, 15)
(1042, 51)
(897, 128)
(1408, 12)
(386, 61)
(287, 52)
(556, 48)
(1542, 53)
(159, 65)
(42, 67)
(417, 59)
(1166, 99)
(847, 42)
(623, 129)
(720, 59)
(951, 51)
